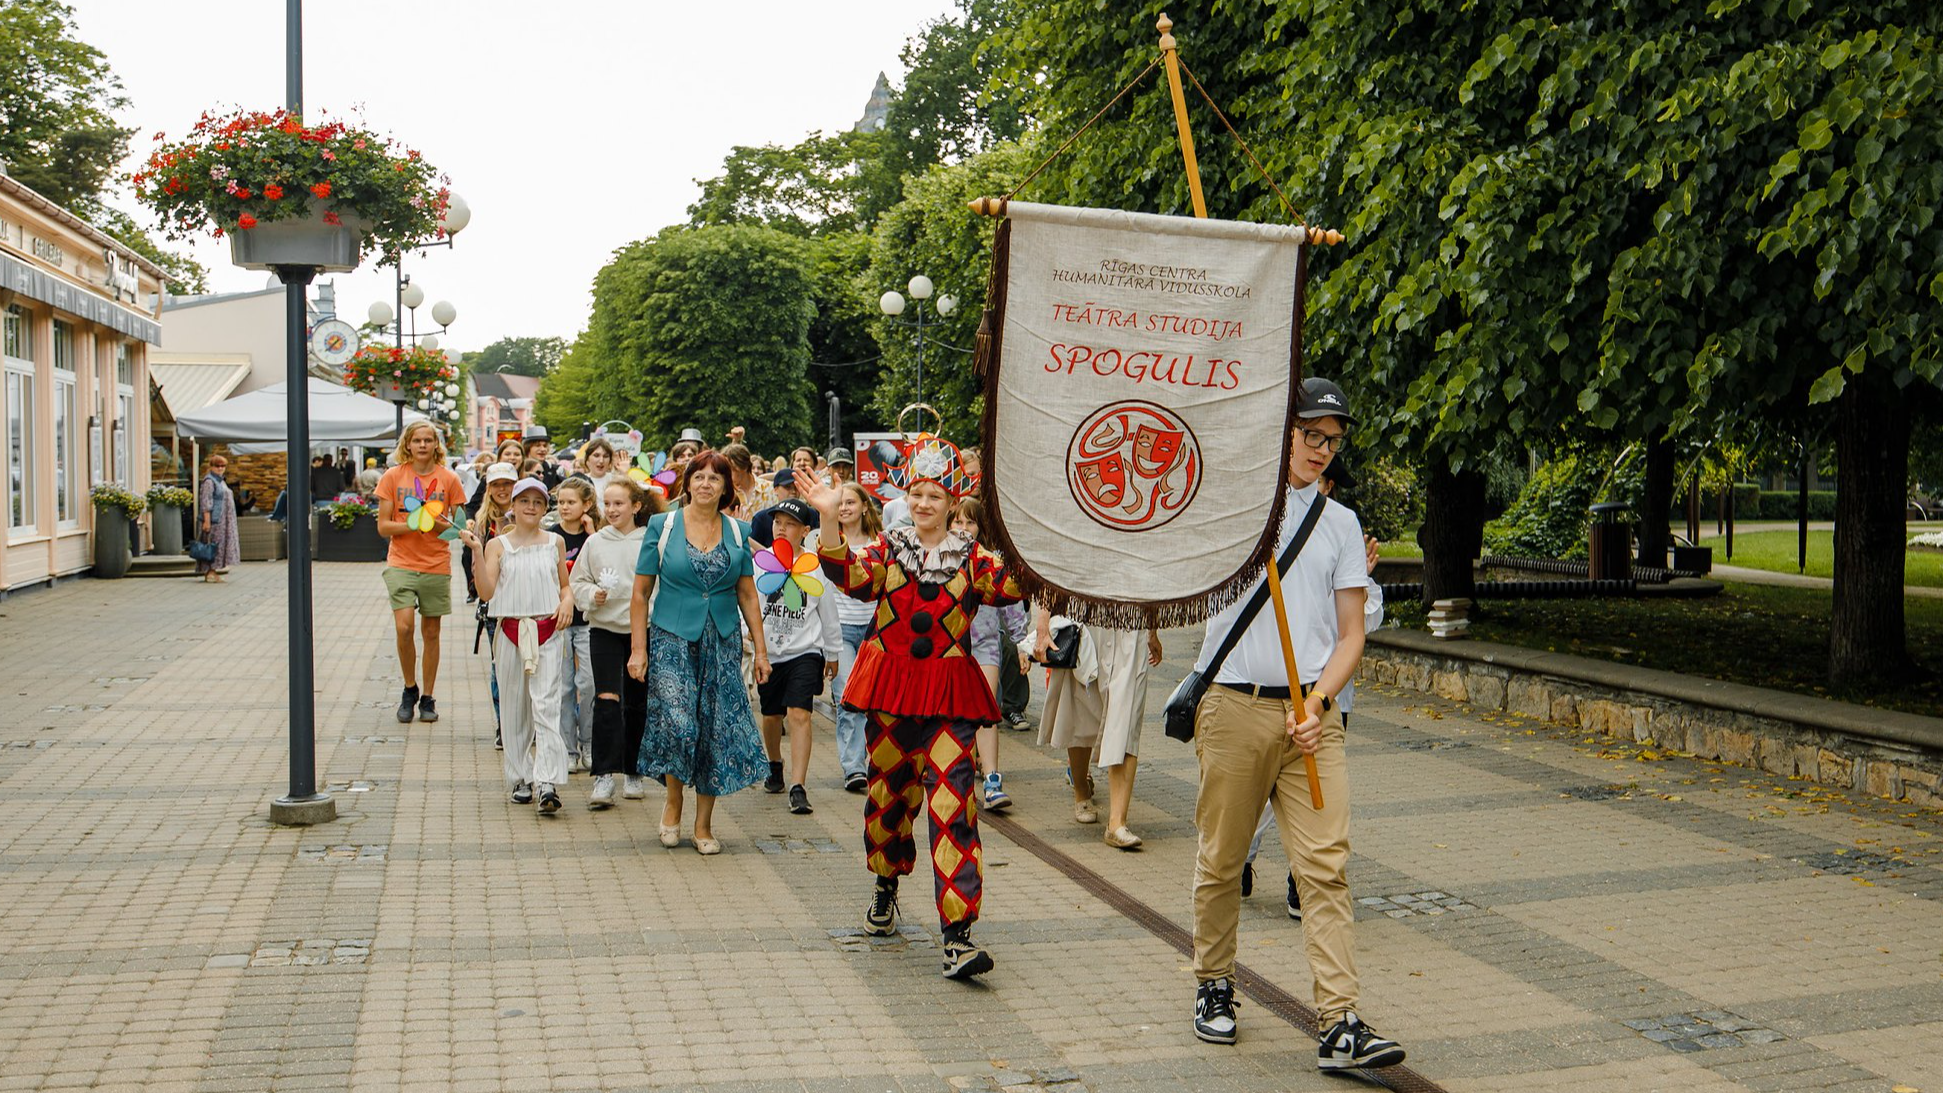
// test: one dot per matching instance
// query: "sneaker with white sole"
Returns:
(523, 793)
(856, 783)
(549, 799)
(964, 958)
(1214, 1011)
(1295, 900)
(799, 800)
(880, 918)
(1352, 1045)
(603, 794)
(634, 787)
(996, 798)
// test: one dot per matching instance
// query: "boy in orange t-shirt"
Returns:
(418, 567)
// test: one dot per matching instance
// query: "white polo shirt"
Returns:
(1331, 560)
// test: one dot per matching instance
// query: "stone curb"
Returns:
(1886, 753)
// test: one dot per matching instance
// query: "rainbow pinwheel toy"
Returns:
(420, 514)
(783, 567)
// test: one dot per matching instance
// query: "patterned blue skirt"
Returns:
(700, 729)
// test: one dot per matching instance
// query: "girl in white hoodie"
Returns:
(602, 580)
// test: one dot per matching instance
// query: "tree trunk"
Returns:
(1655, 533)
(1452, 534)
(1865, 641)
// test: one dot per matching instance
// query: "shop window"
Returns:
(17, 339)
(66, 488)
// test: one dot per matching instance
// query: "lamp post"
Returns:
(892, 304)
(411, 297)
(836, 418)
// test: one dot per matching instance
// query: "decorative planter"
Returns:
(307, 242)
(358, 543)
(111, 554)
(165, 527)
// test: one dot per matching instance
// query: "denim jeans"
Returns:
(851, 745)
(577, 694)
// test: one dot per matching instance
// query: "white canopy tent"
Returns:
(257, 421)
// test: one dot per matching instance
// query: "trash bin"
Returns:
(1609, 551)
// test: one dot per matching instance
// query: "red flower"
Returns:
(246, 221)
(321, 190)
(243, 193)
(331, 218)
(273, 191)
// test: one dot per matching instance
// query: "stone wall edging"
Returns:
(1827, 756)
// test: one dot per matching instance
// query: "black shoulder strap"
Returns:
(1254, 605)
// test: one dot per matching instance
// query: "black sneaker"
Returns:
(428, 708)
(880, 918)
(774, 783)
(1350, 1044)
(799, 800)
(857, 783)
(549, 800)
(1295, 900)
(1247, 879)
(407, 705)
(964, 958)
(1214, 1011)
(1017, 722)
(523, 793)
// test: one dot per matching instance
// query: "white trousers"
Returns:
(529, 711)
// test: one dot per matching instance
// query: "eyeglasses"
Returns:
(1316, 438)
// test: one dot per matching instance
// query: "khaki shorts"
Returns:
(430, 594)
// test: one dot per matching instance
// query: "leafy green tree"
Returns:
(565, 398)
(844, 356)
(58, 98)
(184, 276)
(810, 188)
(518, 356)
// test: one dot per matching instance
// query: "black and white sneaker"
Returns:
(799, 800)
(523, 793)
(549, 799)
(1214, 1011)
(964, 958)
(428, 708)
(773, 783)
(1295, 900)
(1017, 722)
(1247, 879)
(1351, 1045)
(856, 783)
(407, 705)
(880, 918)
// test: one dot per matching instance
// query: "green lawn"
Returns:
(1403, 548)
(1762, 635)
(1776, 551)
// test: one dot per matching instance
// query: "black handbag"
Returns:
(201, 550)
(1063, 650)
(1183, 704)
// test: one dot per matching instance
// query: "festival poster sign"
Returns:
(876, 454)
(1139, 394)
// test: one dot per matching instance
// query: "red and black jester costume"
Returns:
(924, 696)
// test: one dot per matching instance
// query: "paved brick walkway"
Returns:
(1628, 920)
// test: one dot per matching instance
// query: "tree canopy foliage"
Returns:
(517, 356)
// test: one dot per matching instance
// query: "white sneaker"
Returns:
(634, 787)
(603, 795)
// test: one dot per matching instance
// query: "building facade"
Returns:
(501, 403)
(78, 314)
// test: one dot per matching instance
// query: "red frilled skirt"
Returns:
(951, 688)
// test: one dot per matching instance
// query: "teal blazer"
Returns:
(681, 601)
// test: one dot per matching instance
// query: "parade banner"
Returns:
(1141, 375)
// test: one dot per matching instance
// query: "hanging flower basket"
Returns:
(399, 375)
(287, 194)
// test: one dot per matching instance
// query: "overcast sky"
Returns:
(571, 128)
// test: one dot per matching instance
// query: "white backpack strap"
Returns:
(661, 546)
(735, 529)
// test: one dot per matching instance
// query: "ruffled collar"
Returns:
(937, 565)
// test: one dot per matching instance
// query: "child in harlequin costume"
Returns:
(920, 689)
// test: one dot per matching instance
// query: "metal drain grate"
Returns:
(852, 939)
(372, 852)
(1598, 793)
(26, 743)
(1847, 863)
(1415, 904)
(777, 844)
(311, 952)
(377, 740)
(1431, 745)
(1686, 1032)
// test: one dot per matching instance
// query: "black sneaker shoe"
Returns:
(549, 800)
(1214, 1011)
(774, 783)
(1247, 879)
(857, 783)
(1017, 722)
(964, 958)
(407, 705)
(1295, 900)
(428, 708)
(880, 918)
(799, 800)
(523, 793)
(1350, 1045)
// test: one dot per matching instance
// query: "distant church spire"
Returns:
(878, 109)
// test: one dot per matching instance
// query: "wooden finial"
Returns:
(1166, 28)
(988, 206)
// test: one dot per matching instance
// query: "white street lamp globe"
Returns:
(429, 341)
(891, 303)
(920, 287)
(380, 313)
(425, 404)
(947, 304)
(444, 314)
(452, 390)
(457, 215)
(412, 296)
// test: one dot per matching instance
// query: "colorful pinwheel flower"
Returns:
(783, 568)
(420, 514)
(458, 525)
(652, 469)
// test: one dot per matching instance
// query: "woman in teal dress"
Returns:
(700, 731)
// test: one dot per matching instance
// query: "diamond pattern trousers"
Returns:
(926, 763)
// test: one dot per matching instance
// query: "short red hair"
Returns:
(717, 462)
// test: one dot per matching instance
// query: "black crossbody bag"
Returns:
(1186, 699)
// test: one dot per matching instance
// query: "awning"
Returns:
(192, 381)
(338, 415)
(65, 296)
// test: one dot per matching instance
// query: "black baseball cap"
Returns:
(784, 477)
(1321, 398)
(762, 526)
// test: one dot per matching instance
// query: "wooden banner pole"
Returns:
(1168, 48)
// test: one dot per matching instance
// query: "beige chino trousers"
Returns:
(1247, 758)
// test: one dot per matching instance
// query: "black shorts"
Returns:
(793, 684)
